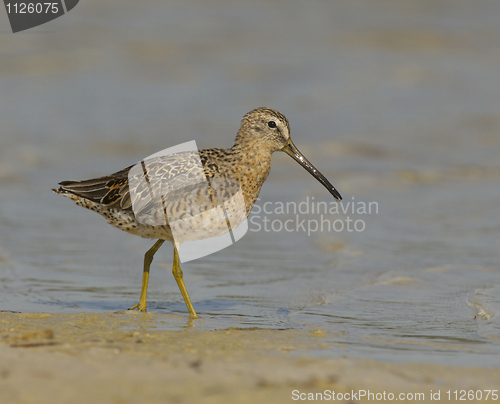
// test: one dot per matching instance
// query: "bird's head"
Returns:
(270, 130)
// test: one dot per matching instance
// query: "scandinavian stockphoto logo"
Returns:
(310, 216)
(204, 215)
(28, 14)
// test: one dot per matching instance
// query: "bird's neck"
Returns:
(251, 166)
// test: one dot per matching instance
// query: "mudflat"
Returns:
(122, 357)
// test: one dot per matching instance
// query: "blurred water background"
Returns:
(396, 102)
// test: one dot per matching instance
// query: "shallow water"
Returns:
(397, 104)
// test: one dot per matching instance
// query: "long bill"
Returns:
(294, 153)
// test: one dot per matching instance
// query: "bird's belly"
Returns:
(214, 222)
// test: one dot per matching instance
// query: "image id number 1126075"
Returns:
(32, 8)
(459, 395)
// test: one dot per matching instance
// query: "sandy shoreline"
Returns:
(121, 358)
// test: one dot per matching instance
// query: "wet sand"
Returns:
(121, 358)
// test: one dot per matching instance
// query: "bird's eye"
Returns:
(271, 124)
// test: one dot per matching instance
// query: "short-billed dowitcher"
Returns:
(248, 163)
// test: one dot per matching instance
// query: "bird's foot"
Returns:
(139, 307)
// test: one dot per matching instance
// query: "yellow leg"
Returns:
(176, 270)
(148, 258)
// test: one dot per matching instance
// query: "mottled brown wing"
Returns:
(176, 178)
(176, 188)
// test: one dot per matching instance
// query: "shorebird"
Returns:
(247, 164)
